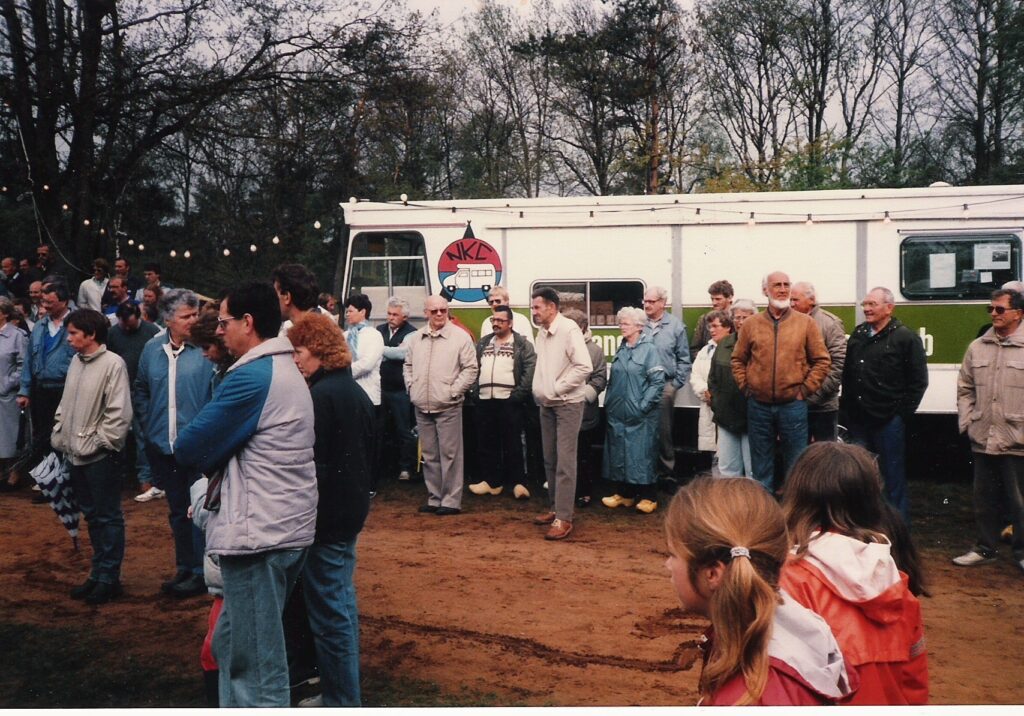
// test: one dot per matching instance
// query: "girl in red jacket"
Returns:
(845, 538)
(728, 542)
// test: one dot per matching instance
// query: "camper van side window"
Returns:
(600, 300)
(954, 267)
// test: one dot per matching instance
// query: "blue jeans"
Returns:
(97, 487)
(249, 640)
(189, 540)
(764, 422)
(141, 460)
(887, 440)
(398, 408)
(334, 619)
(733, 454)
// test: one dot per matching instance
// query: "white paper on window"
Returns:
(942, 270)
(991, 257)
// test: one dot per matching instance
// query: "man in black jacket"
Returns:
(394, 397)
(884, 379)
(502, 391)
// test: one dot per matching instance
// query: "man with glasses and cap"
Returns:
(884, 379)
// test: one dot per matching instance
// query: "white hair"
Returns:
(396, 302)
(660, 292)
(887, 296)
(807, 287)
(632, 315)
(743, 304)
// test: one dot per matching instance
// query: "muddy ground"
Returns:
(471, 609)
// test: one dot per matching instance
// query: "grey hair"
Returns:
(8, 308)
(1017, 286)
(743, 304)
(807, 287)
(660, 292)
(175, 298)
(887, 295)
(499, 289)
(397, 302)
(764, 279)
(580, 318)
(632, 315)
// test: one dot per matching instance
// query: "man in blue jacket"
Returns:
(46, 366)
(171, 386)
(255, 438)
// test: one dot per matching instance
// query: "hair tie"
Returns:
(739, 552)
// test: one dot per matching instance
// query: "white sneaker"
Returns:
(973, 559)
(153, 493)
(520, 492)
(312, 701)
(36, 488)
(545, 484)
(404, 476)
(484, 488)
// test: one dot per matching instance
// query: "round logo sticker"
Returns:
(468, 269)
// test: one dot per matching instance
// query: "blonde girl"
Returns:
(728, 542)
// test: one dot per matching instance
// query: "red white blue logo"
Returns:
(468, 269)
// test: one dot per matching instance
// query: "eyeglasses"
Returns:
(223, 322)
(999, 310)
(496, 301)
(437, 311)
(499, 320)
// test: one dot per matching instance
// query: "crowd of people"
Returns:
(267, 422)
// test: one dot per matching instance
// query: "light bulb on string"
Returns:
(103, 231)
(46, 187)
(131, 242)
(405, 199)
(86, 222)
(810, 221)
(317, 224)
(275, 241)
(227, 252)
(65, 207)
(750, 221)
(141, 247)
(967, 213)
(353, 200)
(187, 254)
(252, 248)
(886, 220)
(173, 253)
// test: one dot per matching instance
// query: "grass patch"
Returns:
(69, 668)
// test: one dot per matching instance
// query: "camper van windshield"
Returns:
(388, 264)
(937, 267)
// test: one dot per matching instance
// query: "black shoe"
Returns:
(373, 493)
(442, 511)
(84, 589)
(39, 499)
(428, 508)
(192, 586)
(583, 501)
(179, 577)
(103, 593)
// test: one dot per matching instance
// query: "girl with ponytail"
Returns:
(728, 542)
(854, 564)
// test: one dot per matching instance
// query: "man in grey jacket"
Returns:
(990, 400)
(440, 366)
(823, 406)
(90, 427)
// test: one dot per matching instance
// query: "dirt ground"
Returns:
(478, 609)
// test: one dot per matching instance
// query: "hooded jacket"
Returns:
(95, 411)
(258, 429)
(990, 393)
(858, 590)
(805, 664)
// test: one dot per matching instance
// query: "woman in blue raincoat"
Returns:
(631, 407)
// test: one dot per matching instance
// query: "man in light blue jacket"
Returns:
(255, 439)
(171, 386)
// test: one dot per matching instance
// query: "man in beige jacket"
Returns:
(440, 366)
(90, 428)
(559, 387)
(990, 401)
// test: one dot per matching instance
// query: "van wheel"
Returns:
(486, 288)
(450, 288)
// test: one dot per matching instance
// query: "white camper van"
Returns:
(940, 249)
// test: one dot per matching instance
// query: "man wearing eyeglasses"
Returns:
(668, 334)
(884, 379)
(507, 361)
(499, 296)
(990, 397)
(440, 366)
